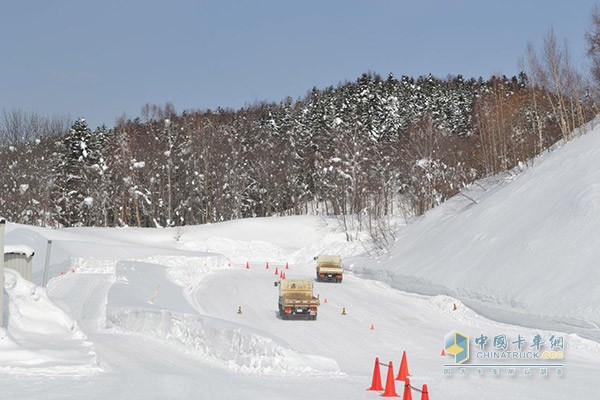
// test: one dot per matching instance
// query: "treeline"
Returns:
(369, 148)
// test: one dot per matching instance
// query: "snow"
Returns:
(18, 249)
(153, 313)
(38, 334)
(523, 254)
(424, 163)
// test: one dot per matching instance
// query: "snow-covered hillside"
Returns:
(191, 312)
(526, 253)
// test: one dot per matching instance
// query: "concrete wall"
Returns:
(2, 223)
(20, 263)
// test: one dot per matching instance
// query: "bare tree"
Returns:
(555, 74)
(533, 64)
(592, 37)
(18, 127)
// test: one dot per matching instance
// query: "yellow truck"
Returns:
(296, 299)
(329, 268)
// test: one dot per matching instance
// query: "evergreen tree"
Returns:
(78, 165)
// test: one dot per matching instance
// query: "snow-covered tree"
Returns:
(79, 167)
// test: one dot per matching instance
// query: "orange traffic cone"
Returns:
(443, 352)
(283, 275)
(325, 301)
(247, 265)
(267, 266)
(276, 271)
(425, 393)
(287, 266)
(403, 373)
(376, 382)
(372, 327)
(407, 395)
(390, 385)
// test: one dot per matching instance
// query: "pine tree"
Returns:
(78, 164)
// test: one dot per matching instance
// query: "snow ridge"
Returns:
(236, 348)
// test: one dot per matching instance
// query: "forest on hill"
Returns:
(370, 148)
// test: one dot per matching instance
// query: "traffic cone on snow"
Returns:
(267, 266)
(283, 273)
(424, 393)
(390, 385)
(376, 382)
(403, 373)
(443, 352)
(372, 327)
(407, 395)
(247, 265)
(276, 271)
(325, 301)
(287, 266)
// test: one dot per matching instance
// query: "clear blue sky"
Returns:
(102, 59)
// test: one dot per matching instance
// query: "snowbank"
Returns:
(295, 239)
(230, 345)
(38, 334)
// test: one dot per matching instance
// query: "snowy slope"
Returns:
(526, 253)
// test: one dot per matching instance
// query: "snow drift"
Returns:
(38, 334)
